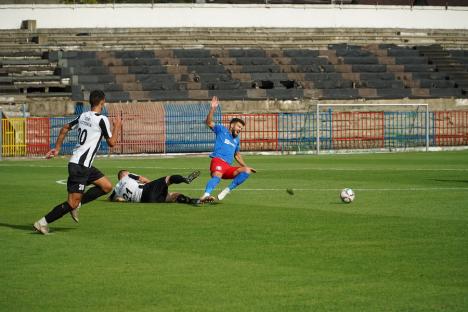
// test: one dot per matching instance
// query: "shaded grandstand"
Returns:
(338, 72)
(235, 64)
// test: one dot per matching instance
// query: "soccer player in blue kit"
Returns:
(226, 149)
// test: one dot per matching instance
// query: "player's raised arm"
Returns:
(209, 118)
(116, 125)
(58, 144)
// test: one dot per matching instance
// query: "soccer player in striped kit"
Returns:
(92, 126)
(139, 189)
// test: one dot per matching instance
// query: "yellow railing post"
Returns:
(13, 136)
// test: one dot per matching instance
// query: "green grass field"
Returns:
(402, 245)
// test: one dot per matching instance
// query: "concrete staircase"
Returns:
(157, 38)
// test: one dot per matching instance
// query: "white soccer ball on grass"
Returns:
(347, 195)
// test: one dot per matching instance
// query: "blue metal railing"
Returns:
(186, 130)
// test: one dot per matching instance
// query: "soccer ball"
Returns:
(347, 195)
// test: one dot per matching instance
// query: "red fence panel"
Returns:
(37, 136)
(451, 128)
(260, 132)
(143, 128)
(352, 130)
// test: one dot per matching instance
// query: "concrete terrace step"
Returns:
(133, 46)
(251, 30)
(268, 39)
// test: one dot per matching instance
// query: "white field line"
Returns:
(421, 189)
(260, 169)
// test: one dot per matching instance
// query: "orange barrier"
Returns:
(37, 136)
(358, 130)
(260, 132)
(143, 128)
(451, 128)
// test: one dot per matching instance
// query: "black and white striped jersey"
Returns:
(129, 188)
(91, 128)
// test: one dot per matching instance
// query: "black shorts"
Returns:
(155, 192)
(79, 176)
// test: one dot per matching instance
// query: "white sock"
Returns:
(206, 195)
(42, 221)
(224, 193)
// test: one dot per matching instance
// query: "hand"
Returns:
(214, 102)
(52, 153)
(252, 170)
(116, 122)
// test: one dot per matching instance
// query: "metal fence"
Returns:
(260, 132)
(186, 130)
(176, 128)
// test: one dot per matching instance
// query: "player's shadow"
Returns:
(29, 228)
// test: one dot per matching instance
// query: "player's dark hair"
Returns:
(95, 97)
(119, 175)
(235, 119)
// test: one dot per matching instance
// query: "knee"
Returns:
(216, 174)
(246, 170)
(106, 187)
(172, 197)
(74, 203)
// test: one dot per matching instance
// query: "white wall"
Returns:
(211, 15)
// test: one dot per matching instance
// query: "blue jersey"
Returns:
(225, 145)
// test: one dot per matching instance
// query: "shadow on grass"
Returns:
(211, 204)
(29, 228)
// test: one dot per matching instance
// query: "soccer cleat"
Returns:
(75, 214)
(206, 199)
(43, 229)
(192, 176)
(223, 193)
(195, 201)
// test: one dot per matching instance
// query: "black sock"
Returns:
(177, 179)
(58, 212)
(92, 194)
(184, 199)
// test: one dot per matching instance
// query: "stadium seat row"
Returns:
(341, 71)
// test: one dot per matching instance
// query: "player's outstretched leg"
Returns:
(192, 176)
(239, 179)
(93, 193)
(183, 199)
(42, 225)
(102, 186)
(75, 214)
(210, 185)
(177, 178)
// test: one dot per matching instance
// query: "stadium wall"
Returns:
(227, 15)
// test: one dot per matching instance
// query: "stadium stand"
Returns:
(236, 64)
(31, 72)
(338, 72)
(164, 38)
